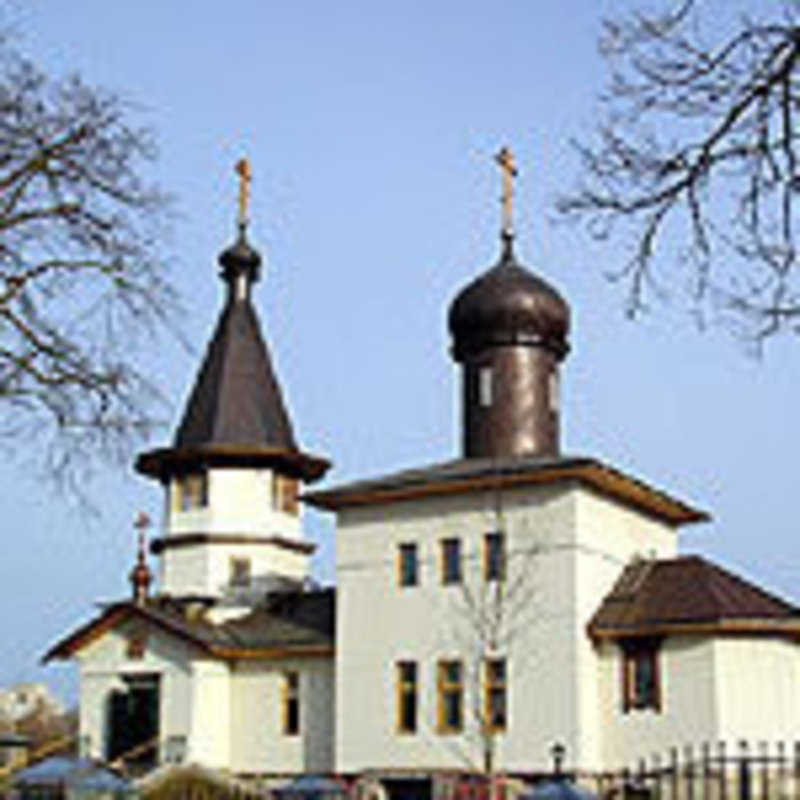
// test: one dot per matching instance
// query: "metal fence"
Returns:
(744, 771)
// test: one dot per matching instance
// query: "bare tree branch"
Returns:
(695, 162)
(83, 271)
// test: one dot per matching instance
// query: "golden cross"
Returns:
(245, 176)
(505, 158)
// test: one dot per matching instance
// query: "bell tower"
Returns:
(233, 473)
(509, 334)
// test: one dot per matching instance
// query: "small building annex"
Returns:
(485, 607)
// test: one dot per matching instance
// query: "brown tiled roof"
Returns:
(474, 474)
(688, 594)
(288, 623)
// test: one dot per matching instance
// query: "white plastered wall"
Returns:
(758, 689)
(689, 703)
(259, 743)
(210, 740)
(572, 545)
(608, 536)
(102, 664)
(240, 503)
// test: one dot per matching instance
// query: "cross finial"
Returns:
(245, 177)
(505, 158)
(140, 576)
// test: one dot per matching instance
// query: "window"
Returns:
(640, 677)
(485, 386)
(136, 644)
(451, 561)
(407, 696)
(240, 572)
(553, 392)
(450, 692)
(291, 703)
(284, 494)
(495, 694)
(494, 557)
(191, 491)
(407, 565)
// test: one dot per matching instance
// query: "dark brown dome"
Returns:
(508, 305)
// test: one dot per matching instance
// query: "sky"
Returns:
(371, 128)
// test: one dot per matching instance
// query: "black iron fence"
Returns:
(720, 771)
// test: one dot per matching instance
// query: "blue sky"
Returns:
(371, 127)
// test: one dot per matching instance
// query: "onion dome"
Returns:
(508, 305)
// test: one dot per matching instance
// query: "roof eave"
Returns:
(594, 474)
(789, 628)
(164, 462)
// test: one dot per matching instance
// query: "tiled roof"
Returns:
(295, 622)
(471, 474)
(688, 593)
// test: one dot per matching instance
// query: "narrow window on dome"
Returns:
(485, 386)
(553, 392)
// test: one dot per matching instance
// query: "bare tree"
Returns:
(695, 164)
(82, 268)
(489, 619)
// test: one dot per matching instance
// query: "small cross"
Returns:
(245, 176)
(141, 523)
(505, 158)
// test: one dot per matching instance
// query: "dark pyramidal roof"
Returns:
(236, 398)
(236, 415)
(688, 593)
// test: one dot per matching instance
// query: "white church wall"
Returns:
(427, 623)
(689, 705)
(757, 688)
(184, 571)
(259, 743)
(104, 662)
(209, 741)
(239, 501)
(608, 535)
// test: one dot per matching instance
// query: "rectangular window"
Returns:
(495, 685)
(285, 494)
(485, 386)
(191, 491)
(494, 556)
(291, 703)
(407, 565)
(240, 572)
(640, 675)
(407, 696)
(450, 691)
(451, 561)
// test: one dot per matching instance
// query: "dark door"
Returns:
(133, 720)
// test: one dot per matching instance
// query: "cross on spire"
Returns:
(245, 177)
(505, 159)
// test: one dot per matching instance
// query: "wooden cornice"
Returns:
(789, 628)
(598, 476)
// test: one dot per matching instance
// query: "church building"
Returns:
(485, 607)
